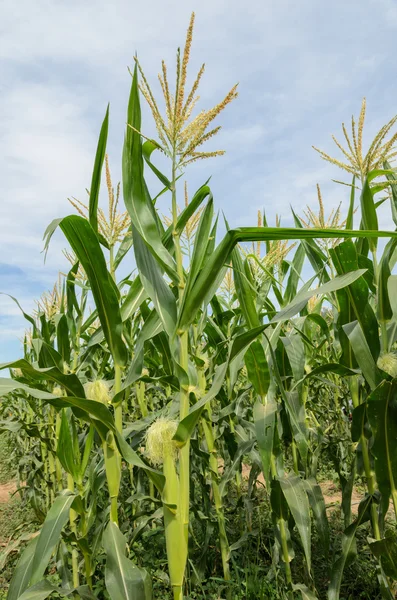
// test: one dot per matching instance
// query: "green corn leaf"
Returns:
(385, 551)
(313, 252)
(354, 303)
(202, 193)
(199, 249)
(295, 350)
(265, 421)
(71, 298)
(8, 385)
(63, 342)
(301, 299)
(124, 580)
(26, 316)
(123, 249)
(257, 368)
(350, 214)
(295, 275)
(382, 416)
(22, 572)
(243, 448)
(71, 382)
(348, 548)
(362, 353)
(68, 450)
(97, 172)
(368, 211)
(134, 187)
(306, 593)
(50, 533)
(384, 308)
(244, 291)
(85, 244)
(392, 176)
(237, 347)
(147, 150)
(212, 274)
(294, 492)
(156, 287)
(43, 589)
(49, 357)
(316, 500)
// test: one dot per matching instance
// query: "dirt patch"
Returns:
(6, 489)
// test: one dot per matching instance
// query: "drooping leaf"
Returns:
(50, 532)
(85, 244)
(124, 580)
(295, 494)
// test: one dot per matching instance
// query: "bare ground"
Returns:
(6, 489)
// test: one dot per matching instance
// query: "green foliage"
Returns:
(173, 442)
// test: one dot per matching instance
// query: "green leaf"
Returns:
(385, 551)
(316, 500)
(26, 316)
(362, 353)
(85, 244)
(211, 275)
(354, 303)
(265, 421)
(301, 299)
(244, 291)
(71, 382)
(96, 173)
(68, 450)
(22, 572)
(123, 249)
(384, 308)
(257, 368)
(124, 580)
(316, 256)
(305, 592)
(368, 211)
(348, 546)
(199, 249)
(50, 533)
(295, 350)
(295, 494)
(134, 189)
(392, 176)
(147, 150)
(156, 287)
(237, 346)
(350, 214)
(382, 416)
(294, 276)
(63, 342)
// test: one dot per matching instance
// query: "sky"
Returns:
(302, 68)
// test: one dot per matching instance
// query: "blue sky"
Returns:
(302, 67)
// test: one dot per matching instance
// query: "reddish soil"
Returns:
(6, 489)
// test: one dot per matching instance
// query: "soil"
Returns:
(6, 489)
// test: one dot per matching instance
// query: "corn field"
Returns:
(158, 415)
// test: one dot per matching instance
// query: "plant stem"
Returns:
(73, 528)
(354, 391)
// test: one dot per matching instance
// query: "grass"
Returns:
(6, 469)
(16, 518)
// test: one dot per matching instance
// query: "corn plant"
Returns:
(136, 420)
